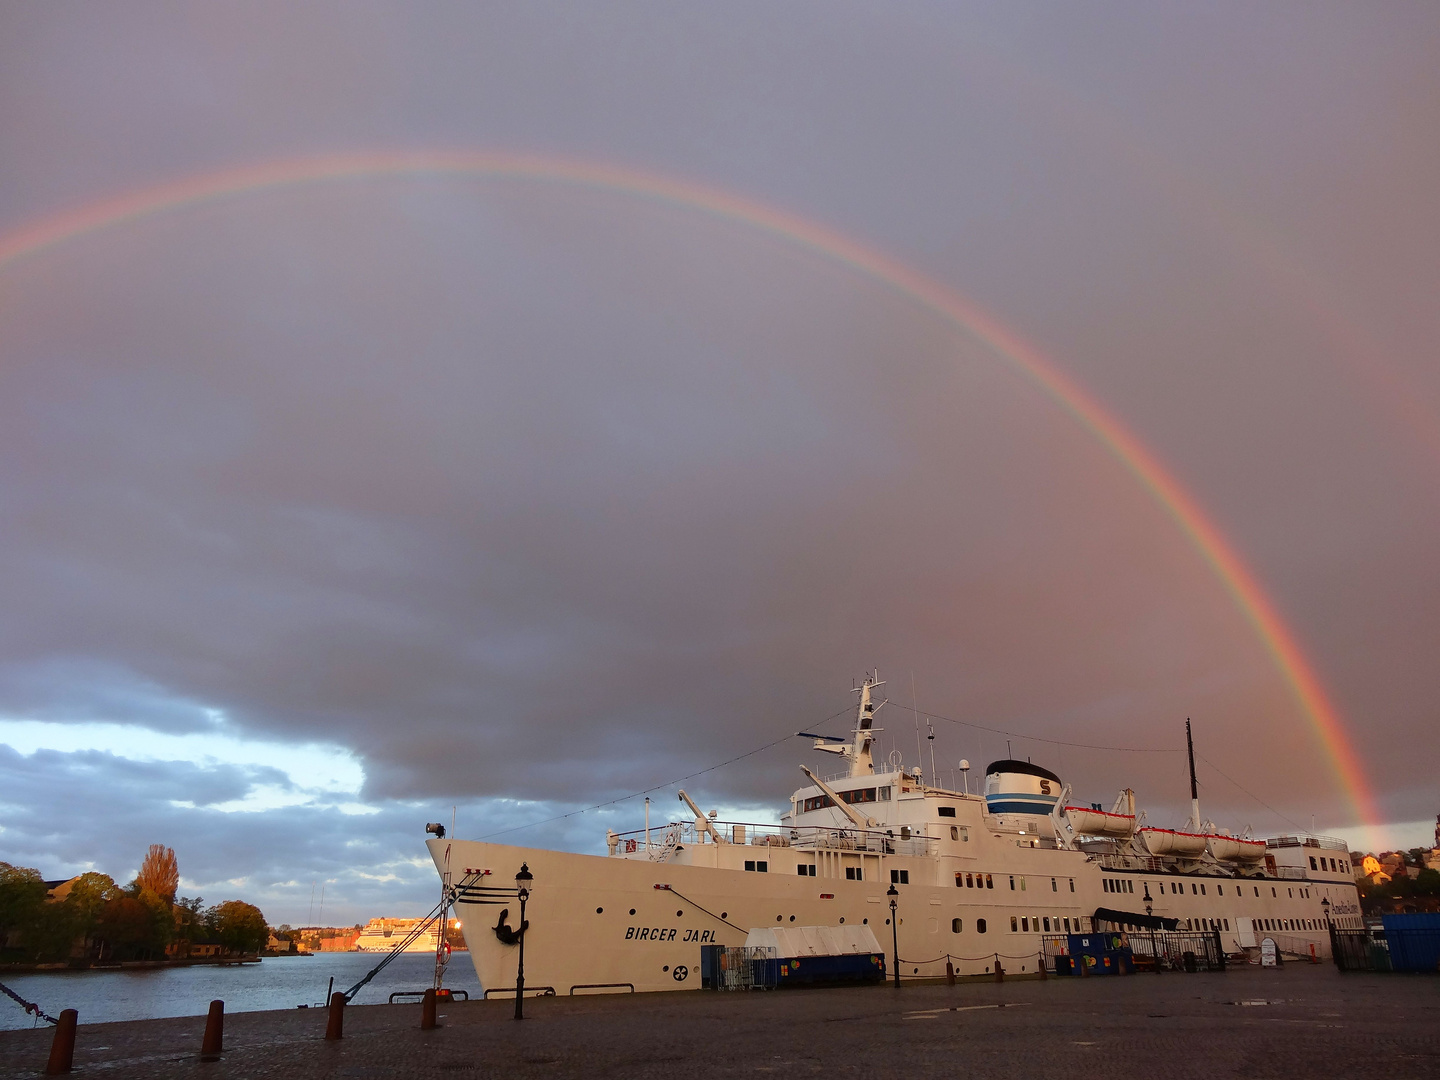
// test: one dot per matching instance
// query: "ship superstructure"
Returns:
(980, 879)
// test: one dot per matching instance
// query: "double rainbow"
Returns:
(924, 291)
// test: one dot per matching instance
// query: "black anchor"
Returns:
(503, 931)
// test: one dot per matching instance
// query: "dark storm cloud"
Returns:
(532, 496)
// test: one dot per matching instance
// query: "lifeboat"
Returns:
(1170, 842)
(1234, 849)
(1099, 823)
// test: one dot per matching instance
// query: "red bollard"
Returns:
(335, 1025)
(62, 1050)
(949, 973)
(427, 1011)
(214, 1039)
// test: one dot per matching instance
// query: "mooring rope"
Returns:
(28, 1006)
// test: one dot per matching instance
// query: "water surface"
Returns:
(281, 982)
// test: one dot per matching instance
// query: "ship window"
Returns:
(1054, 885)
(1194, 888)
(749, 864)
(1227, 923)
(1014, 924)
(1067, 924)
(904, 832)
(884, 794)
(899, 877)
(979, 926)
(1202, 890)
(852, 873)
(1022, 884)
(946, 811)
(1025, 924)
(1219, 890)
(1012, 882)
(1047, 924)
(964, 834)
(954, 832)
(1313, 864)
(989, 882)
(859, 795)
(1257, 890)
(805, 869)
(1273, 892)
(1072, 884)
(1291, 892)
(955, 926)
(817, 802)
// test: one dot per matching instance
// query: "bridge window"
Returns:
(852, 873)
(1025, 923)
(899, 877)
(946, 811)
(1313, 864)
(817, 802)
(761, 867)
(859, 795)
(884, 794)
(805, 869)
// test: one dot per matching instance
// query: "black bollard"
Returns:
(335, 1025)
(214, 1032)
(1044, 971)
(62, 1050)
(949, 973)
(427, 1011)
(999, 971)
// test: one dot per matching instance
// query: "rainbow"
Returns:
(1258, 609)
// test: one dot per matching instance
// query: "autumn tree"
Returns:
(238, 925)
(159, 873)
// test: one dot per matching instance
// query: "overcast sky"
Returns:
(327, 508)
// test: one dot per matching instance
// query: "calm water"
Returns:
(281, 982)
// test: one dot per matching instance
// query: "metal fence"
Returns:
(1360, 950)
(1155, 950)
(744, 968)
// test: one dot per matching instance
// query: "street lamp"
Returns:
(895, 932)
(523, 881)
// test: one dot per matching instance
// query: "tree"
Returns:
(160, 873)
(126, 927)
(22, 902)
(238, 925)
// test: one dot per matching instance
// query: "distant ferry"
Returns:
(978, 879)
(386, 935)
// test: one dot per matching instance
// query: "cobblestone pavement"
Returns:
(1299, 1021)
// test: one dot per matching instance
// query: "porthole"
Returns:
(665, 968)
(779, 918)
(599, 910)
(792, 918)
(723, 914)
(864, 922)
(679, 913)
(632, 911)
(842, 918)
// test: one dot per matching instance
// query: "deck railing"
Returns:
(664, 838)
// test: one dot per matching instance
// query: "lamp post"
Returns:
(895, 933)
(523, 881)
(1150, 913)
(1330, 929)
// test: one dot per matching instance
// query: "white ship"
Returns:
(978, 880)
(387, 935)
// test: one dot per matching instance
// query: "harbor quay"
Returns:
(1299, 1020)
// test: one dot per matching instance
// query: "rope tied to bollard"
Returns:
(28, 1006)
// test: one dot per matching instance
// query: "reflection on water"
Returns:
(281, 982)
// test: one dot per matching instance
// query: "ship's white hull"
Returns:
(599, 922)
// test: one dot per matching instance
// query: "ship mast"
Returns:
(862, 763)
(1194, 791)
